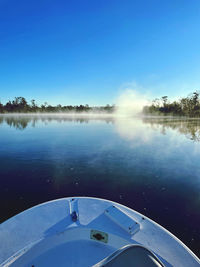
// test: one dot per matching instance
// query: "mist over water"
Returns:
(148, 164)
(130, 103)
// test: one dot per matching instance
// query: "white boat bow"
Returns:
(86, 231)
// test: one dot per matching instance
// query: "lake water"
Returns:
(151, 165)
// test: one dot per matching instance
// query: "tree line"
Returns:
(187, 106)
(21, 105)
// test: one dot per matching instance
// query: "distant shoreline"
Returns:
(21, 105)
(188, 106)
(57, 114)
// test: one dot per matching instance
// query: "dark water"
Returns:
(150, 165)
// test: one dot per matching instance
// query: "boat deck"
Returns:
(47, 235)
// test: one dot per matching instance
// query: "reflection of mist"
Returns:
(145, 128)
(132, 129)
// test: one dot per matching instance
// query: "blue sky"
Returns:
(89, 51)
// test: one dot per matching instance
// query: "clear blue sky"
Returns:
(87, 51)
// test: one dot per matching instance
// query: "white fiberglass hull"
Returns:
(47, 235)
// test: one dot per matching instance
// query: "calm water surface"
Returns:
(150, 165)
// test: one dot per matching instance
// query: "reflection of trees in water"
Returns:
(21, 122)
(189, 127)
(18, 123)
(1, 120)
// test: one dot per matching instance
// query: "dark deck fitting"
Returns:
(131, 256)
